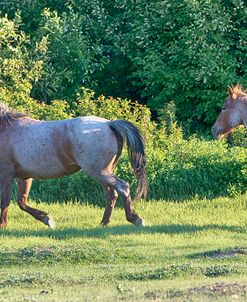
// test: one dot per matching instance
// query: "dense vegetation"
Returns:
(57, 58)
(151, 51)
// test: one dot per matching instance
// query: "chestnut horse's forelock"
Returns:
(237, 92)
(7, 117)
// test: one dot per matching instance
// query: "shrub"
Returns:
(153, 51)
(238, 137)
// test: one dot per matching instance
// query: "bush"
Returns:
(153, 51)
(196, 167)
(238, 137)
(188, 52)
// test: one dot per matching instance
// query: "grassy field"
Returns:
(194, 250)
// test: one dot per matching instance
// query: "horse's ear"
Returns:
(230, 91)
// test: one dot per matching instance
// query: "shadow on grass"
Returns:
(220, 253)
(104, 232)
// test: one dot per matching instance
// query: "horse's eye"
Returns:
(224, 108)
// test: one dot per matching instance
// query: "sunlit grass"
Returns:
(186, 244)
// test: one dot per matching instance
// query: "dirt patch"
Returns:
(233, 290)
(153, 295)
(226, 253)
(229, 253)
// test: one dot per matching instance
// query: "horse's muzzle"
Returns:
(214, 132)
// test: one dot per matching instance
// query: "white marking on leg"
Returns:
(139, 222)
(48, 220)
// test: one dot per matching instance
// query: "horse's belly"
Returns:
(43, 172)
(43, 165)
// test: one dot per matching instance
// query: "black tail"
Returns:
(135, 143)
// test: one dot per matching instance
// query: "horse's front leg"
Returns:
(24, 187)
(5, 190)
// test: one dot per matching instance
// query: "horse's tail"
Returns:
(135, 143)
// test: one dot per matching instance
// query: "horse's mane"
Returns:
(238, 91)
(7, 116)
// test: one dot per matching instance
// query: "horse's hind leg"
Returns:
(111, 198)
(24, 187)
(123, 190)
(5, 189)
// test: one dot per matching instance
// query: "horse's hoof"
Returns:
(139, 222)
(49, 221)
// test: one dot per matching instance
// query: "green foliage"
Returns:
(195, 167)
(70, 59)
(18, 70)
(153, 51)
(185, 52)
(238, 137)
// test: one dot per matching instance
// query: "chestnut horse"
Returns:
(233, 112)
(33, 149)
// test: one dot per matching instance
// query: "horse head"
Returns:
(233, 112)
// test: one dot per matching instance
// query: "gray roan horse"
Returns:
(233, 112)
(33, 149)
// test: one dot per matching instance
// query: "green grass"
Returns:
(192, 250)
